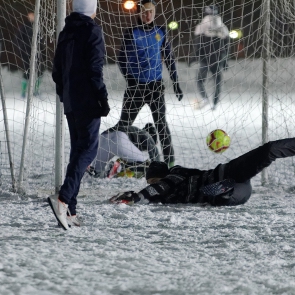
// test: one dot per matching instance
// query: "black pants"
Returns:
(84, 143)
(216, 69)
(243, 168)
(152, 94)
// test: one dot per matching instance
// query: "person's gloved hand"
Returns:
(128, 198)
(178, 91)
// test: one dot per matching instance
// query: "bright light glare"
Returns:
(235, 34)
(129, 5)
(173, 25)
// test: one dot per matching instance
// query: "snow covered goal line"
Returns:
(256, 103)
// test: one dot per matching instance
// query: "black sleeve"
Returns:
(154, 192)
(122, 58)
(57, 70)
(95, 53)
(186, 172)
(169, 59)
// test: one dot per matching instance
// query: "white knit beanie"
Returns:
(87, 7)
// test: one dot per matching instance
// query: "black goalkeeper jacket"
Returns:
(182, 185)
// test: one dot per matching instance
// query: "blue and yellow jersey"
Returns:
(142, 52)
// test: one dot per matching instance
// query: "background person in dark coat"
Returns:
(24, 37)
(212, 47)
(225, 185)
(140, 61)
(78, 74)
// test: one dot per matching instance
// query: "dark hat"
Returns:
(149, 128)
(142, 2)
(211, 10)
(157, 169)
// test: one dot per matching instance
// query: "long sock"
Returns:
(24, 88)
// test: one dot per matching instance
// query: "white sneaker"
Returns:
(59, 209)
(74, 220)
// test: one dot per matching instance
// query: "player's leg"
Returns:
(239, 195)
(158, 109)
(40, 71)
(152, 149)
(26, 76)
(217, 75)
(201, 78)
(132, 104)
(84, 144)
(248, 165)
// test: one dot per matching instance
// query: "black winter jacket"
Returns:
(78, 67)
(182, 185)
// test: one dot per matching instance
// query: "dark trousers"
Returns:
(243, 168)
(84, 143)
(135, 98)
(216, 69)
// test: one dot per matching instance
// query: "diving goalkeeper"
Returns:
(225, 185)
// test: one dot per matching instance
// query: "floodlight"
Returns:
(173, 25)
(129, 5)
(235, 34)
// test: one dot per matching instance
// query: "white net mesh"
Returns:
(238, 112)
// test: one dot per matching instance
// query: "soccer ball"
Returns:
(218, 141)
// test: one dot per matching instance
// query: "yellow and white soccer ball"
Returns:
(218, 141)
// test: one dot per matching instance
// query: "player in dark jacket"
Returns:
(140, 61)
(225, 185)
(212, 48)
(78, 74)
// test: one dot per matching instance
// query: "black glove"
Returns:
(104, 107)
(178, 91)
(128, 198)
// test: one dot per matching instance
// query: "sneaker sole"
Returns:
(51, 206)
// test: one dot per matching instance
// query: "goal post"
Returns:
(60, 121)
(31, 86)
(265, 78)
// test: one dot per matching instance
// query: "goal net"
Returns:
(256, 102)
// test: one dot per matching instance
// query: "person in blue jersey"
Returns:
(143, 49)
(78, 75)
(226, 185)
(211, 49)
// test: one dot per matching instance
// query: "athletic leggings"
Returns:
(216, 70)
(135, 98)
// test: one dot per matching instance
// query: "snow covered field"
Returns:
(156, 249)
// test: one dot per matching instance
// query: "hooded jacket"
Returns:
(212, 40)
(78, 67)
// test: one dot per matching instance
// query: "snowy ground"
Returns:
(156, 249)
